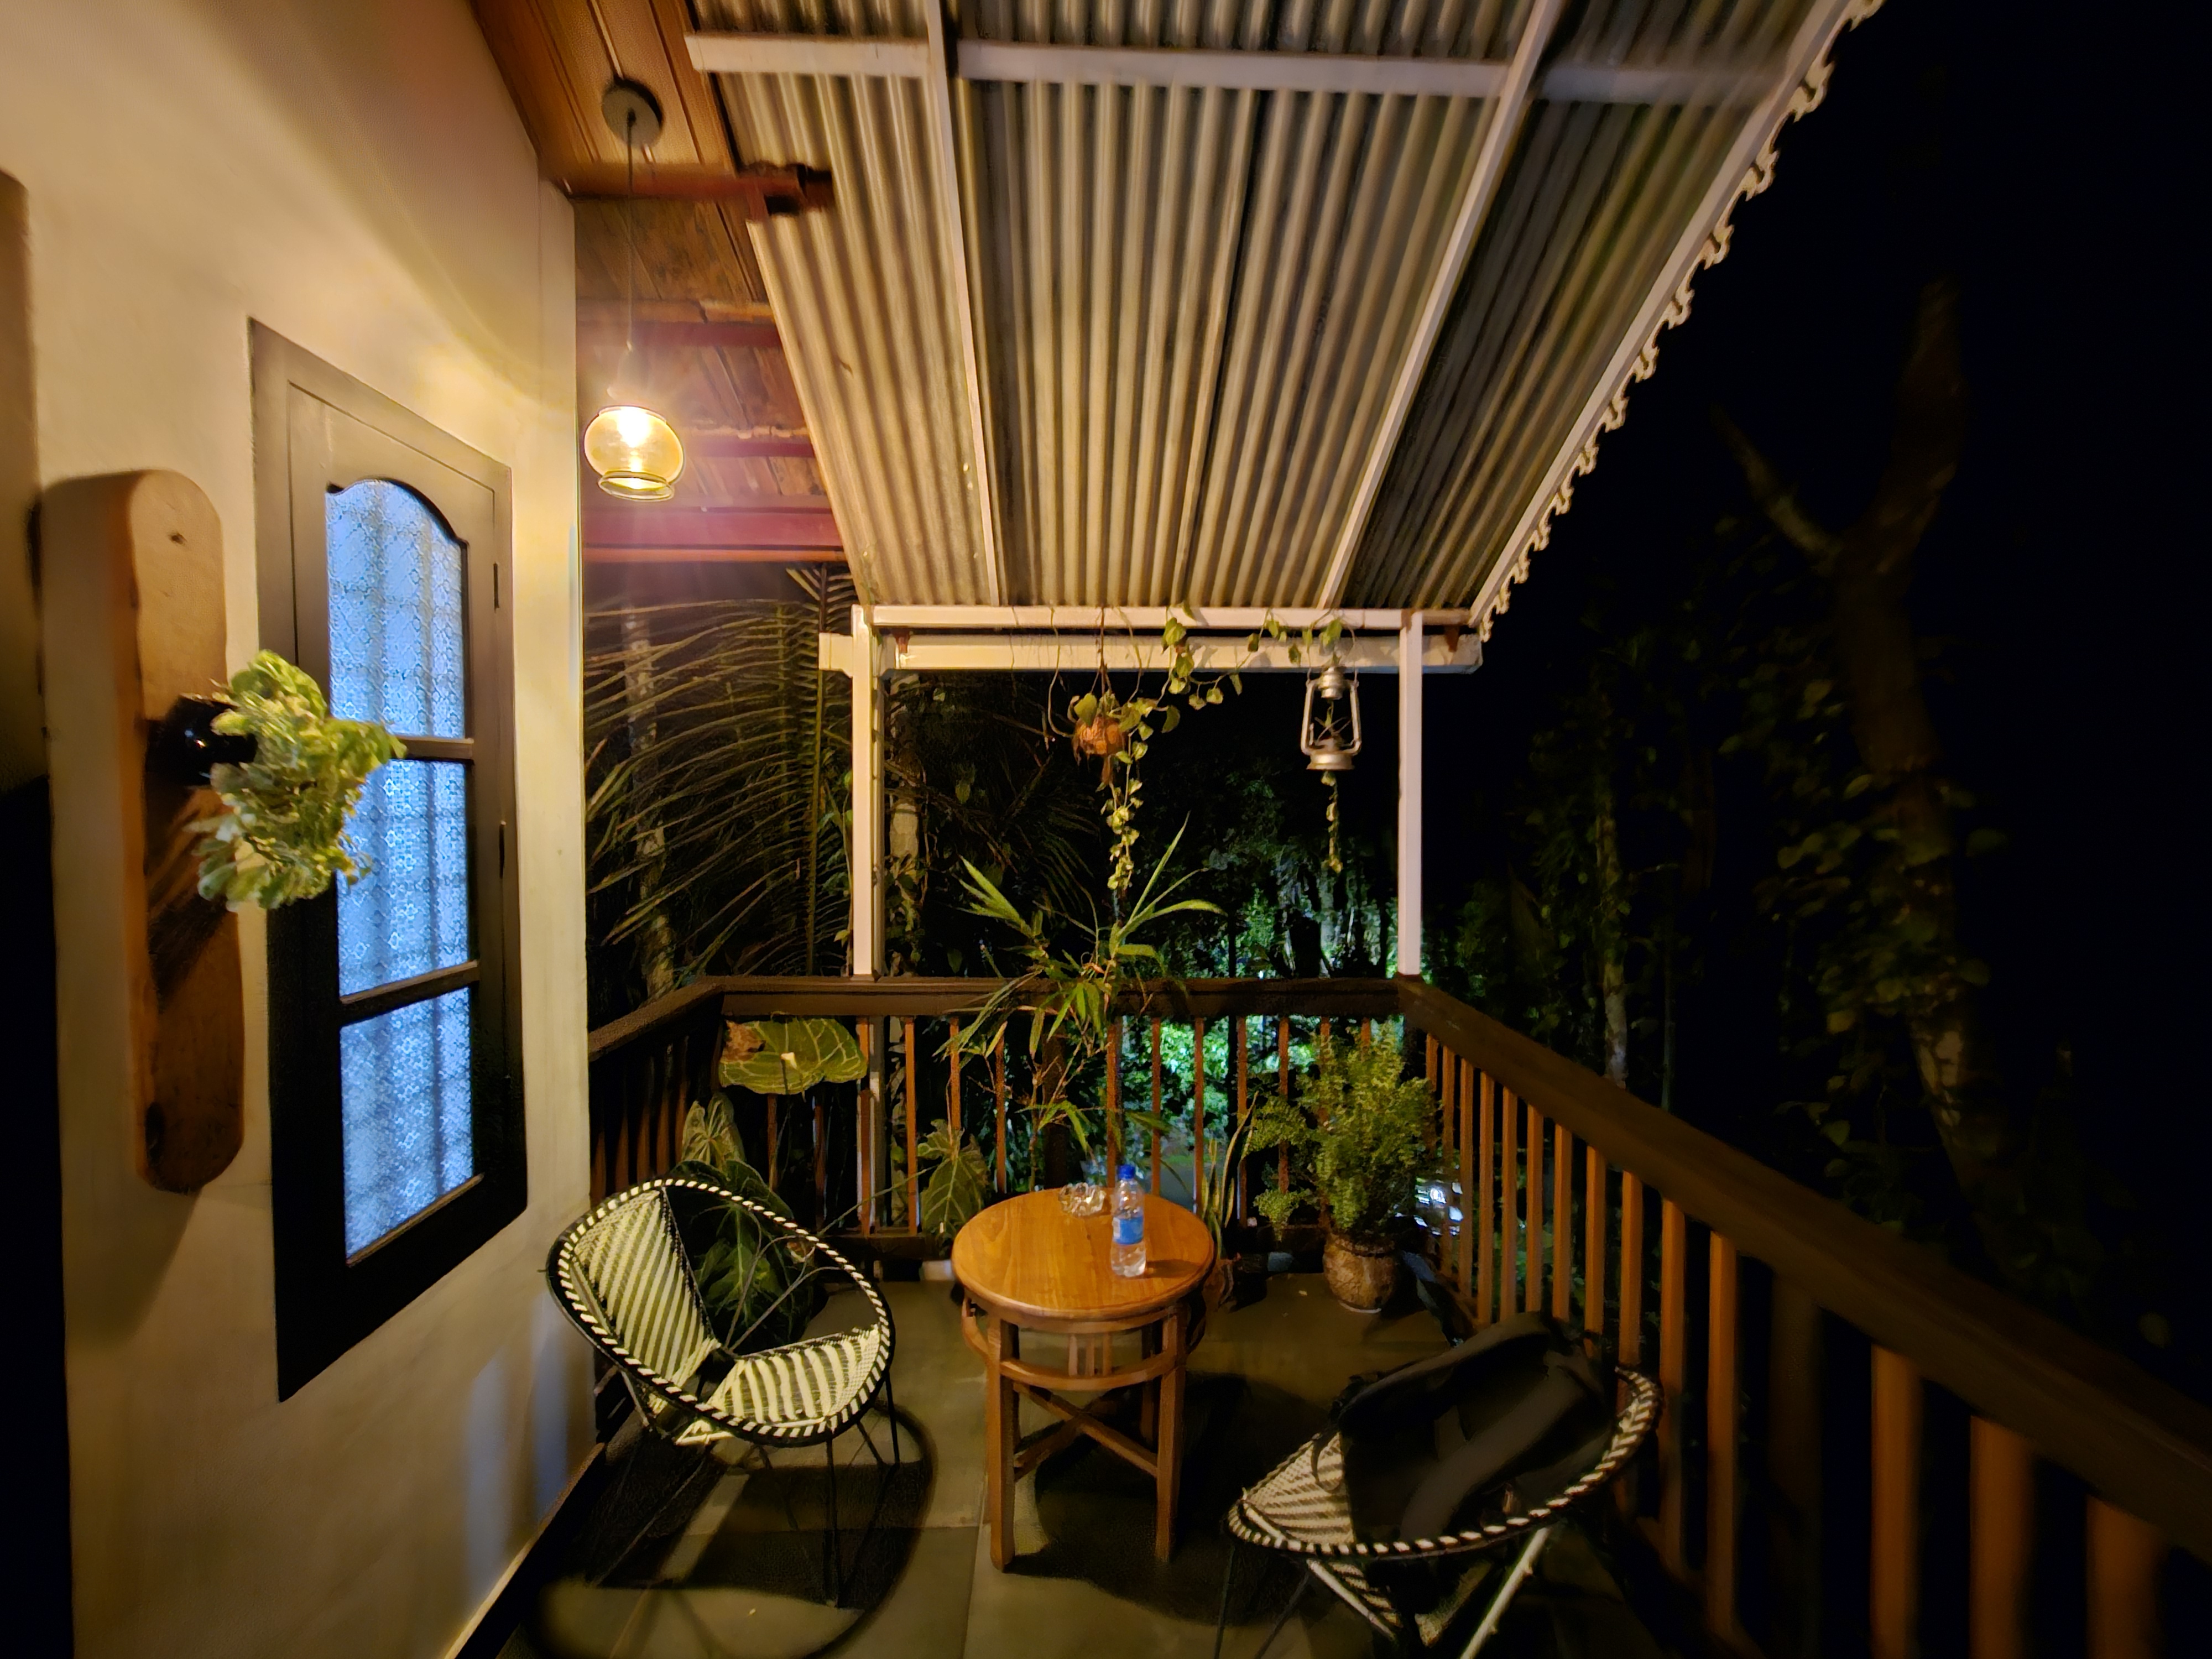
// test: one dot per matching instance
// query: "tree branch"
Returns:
(1777, 500)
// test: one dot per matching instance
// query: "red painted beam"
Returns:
(764, 526)
(650, 332)
(736, 446)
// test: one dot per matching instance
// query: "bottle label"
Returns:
(1129, 1229)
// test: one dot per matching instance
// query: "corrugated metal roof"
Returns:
(1561, 304)
(1196, 298)
(1200, 312)
(868, 303)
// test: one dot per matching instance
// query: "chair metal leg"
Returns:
(1283, 1617)
(1514, 1580)
(1221, 1619)
(835, 1555)
(890, 1410)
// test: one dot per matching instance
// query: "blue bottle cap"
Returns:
(1128, 1172)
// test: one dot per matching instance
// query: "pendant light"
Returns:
(635, 450)
(1329, 737)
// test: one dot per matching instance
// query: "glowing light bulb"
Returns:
(635, 452)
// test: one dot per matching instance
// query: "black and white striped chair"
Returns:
(1299, 1509)
(623, 1278)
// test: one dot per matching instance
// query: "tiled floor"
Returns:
(741, 1572)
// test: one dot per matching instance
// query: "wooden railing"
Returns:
(1848, 1461)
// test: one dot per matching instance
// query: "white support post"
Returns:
(1409, 795)
(868, 801)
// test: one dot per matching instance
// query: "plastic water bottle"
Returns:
(1127, 1256)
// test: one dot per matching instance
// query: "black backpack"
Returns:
(1496, 1426)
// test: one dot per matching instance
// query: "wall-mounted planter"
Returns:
(140, 554)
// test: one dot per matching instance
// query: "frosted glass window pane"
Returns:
(396, 635)
(410, 914)
(405, 1088)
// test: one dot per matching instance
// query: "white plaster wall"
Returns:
(351, 173)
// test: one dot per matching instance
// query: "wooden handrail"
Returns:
(640, 1024)
(2141, 1443)
(925, 996)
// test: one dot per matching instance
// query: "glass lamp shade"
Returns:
(637, 454)
(1330, 735)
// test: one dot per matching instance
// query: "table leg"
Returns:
(1001, 1425)
(1169, 1453)
(1148, 1394)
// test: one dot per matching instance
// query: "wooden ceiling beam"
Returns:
(765, 191)
(711, 554)
(764, 522)
(692, 336)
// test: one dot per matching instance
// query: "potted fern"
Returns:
(1357, 1136)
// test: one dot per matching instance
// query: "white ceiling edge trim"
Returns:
(725, 52)
(1499, 133)
(1030, 652)
(1747, 171)
(1090, 619)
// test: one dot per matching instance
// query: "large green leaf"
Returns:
(957, 1188)
(790, 1056)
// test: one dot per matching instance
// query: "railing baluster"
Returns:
(1631, 1271)
(912, 1133)
(1894, 1566)
(1563, 1220)
(1533, 1228)
(1241, 1040)
(1283, 1086)
(1198, 1115)
(1594, 1218)
(1720, 1442)
(864, 1114)
(1467, 1175)
(1674, 1374)
(2124, 1556)
(1509, 1226)
(999, 1098)
(1159, 1139)
(2000, 1540)
(1113, 1098)
(1481, 1206)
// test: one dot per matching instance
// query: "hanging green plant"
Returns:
(281, 834)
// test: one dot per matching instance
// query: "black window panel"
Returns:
(317, 432)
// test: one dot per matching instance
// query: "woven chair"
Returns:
(623, 1278)
(1299, 1510)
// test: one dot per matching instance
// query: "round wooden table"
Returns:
(1027, 1265)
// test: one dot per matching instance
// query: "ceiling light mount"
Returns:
(632, 113)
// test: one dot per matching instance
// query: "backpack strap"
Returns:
(1483, 1456)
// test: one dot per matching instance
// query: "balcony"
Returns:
(1862, 1449)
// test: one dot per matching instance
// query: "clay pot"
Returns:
(1360, 1272)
